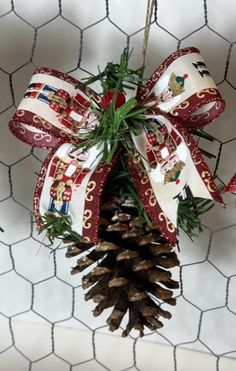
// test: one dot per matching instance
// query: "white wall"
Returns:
(36, 287)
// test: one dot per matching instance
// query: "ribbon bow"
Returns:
(166, 164)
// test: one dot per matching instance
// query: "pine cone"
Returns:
(132, 268)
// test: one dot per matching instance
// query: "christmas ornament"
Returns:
(121, 177)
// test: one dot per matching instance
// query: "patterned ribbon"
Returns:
(166, 164)
(231, 186)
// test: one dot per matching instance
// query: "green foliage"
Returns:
(190, 211)
(114, 128)
(115, 124)
(58, 226)
(117, 76)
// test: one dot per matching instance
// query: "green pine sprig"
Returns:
(117, 76)
(115, 124)
(190, 211)
(58, 226)
(114, 128)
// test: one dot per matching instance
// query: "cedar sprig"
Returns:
(114, 128)
(58, 226)
(117, 76)
(190, 211)
(115, 124)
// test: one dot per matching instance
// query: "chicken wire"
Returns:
(75, 37)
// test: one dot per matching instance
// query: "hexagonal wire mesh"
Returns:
(38, 296)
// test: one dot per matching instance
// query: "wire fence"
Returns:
(36, 288)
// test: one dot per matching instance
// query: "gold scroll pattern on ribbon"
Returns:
(38, 120)
(144, 177)
(20, 113)
(196, 156)
(152, 199)
(162, 217)
(181, 106)
(99, 169)
(136, 158)
(65, 134)
(87, 216)
(201, 94)
(90, 187)
(206, 176)
(142, 172)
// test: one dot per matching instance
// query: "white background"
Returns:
(37, 293)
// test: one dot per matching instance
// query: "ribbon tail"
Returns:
(231, 186)
(148, 198)
(168, 168)
(73, 187)
(202, 167)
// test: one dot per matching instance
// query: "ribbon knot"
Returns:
(166, 164)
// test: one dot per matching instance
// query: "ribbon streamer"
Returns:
(166, 165)
(231, 186)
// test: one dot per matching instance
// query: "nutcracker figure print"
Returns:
(67, 173)
(165, 152)
(169, 90)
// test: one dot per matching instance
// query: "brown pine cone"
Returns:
(132, 268)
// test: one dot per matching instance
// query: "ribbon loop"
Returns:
(53, 110)
(183, 86)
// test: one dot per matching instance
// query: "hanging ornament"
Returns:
(122, 176)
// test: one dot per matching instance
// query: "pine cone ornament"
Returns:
(120, 143)
(132, 268)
